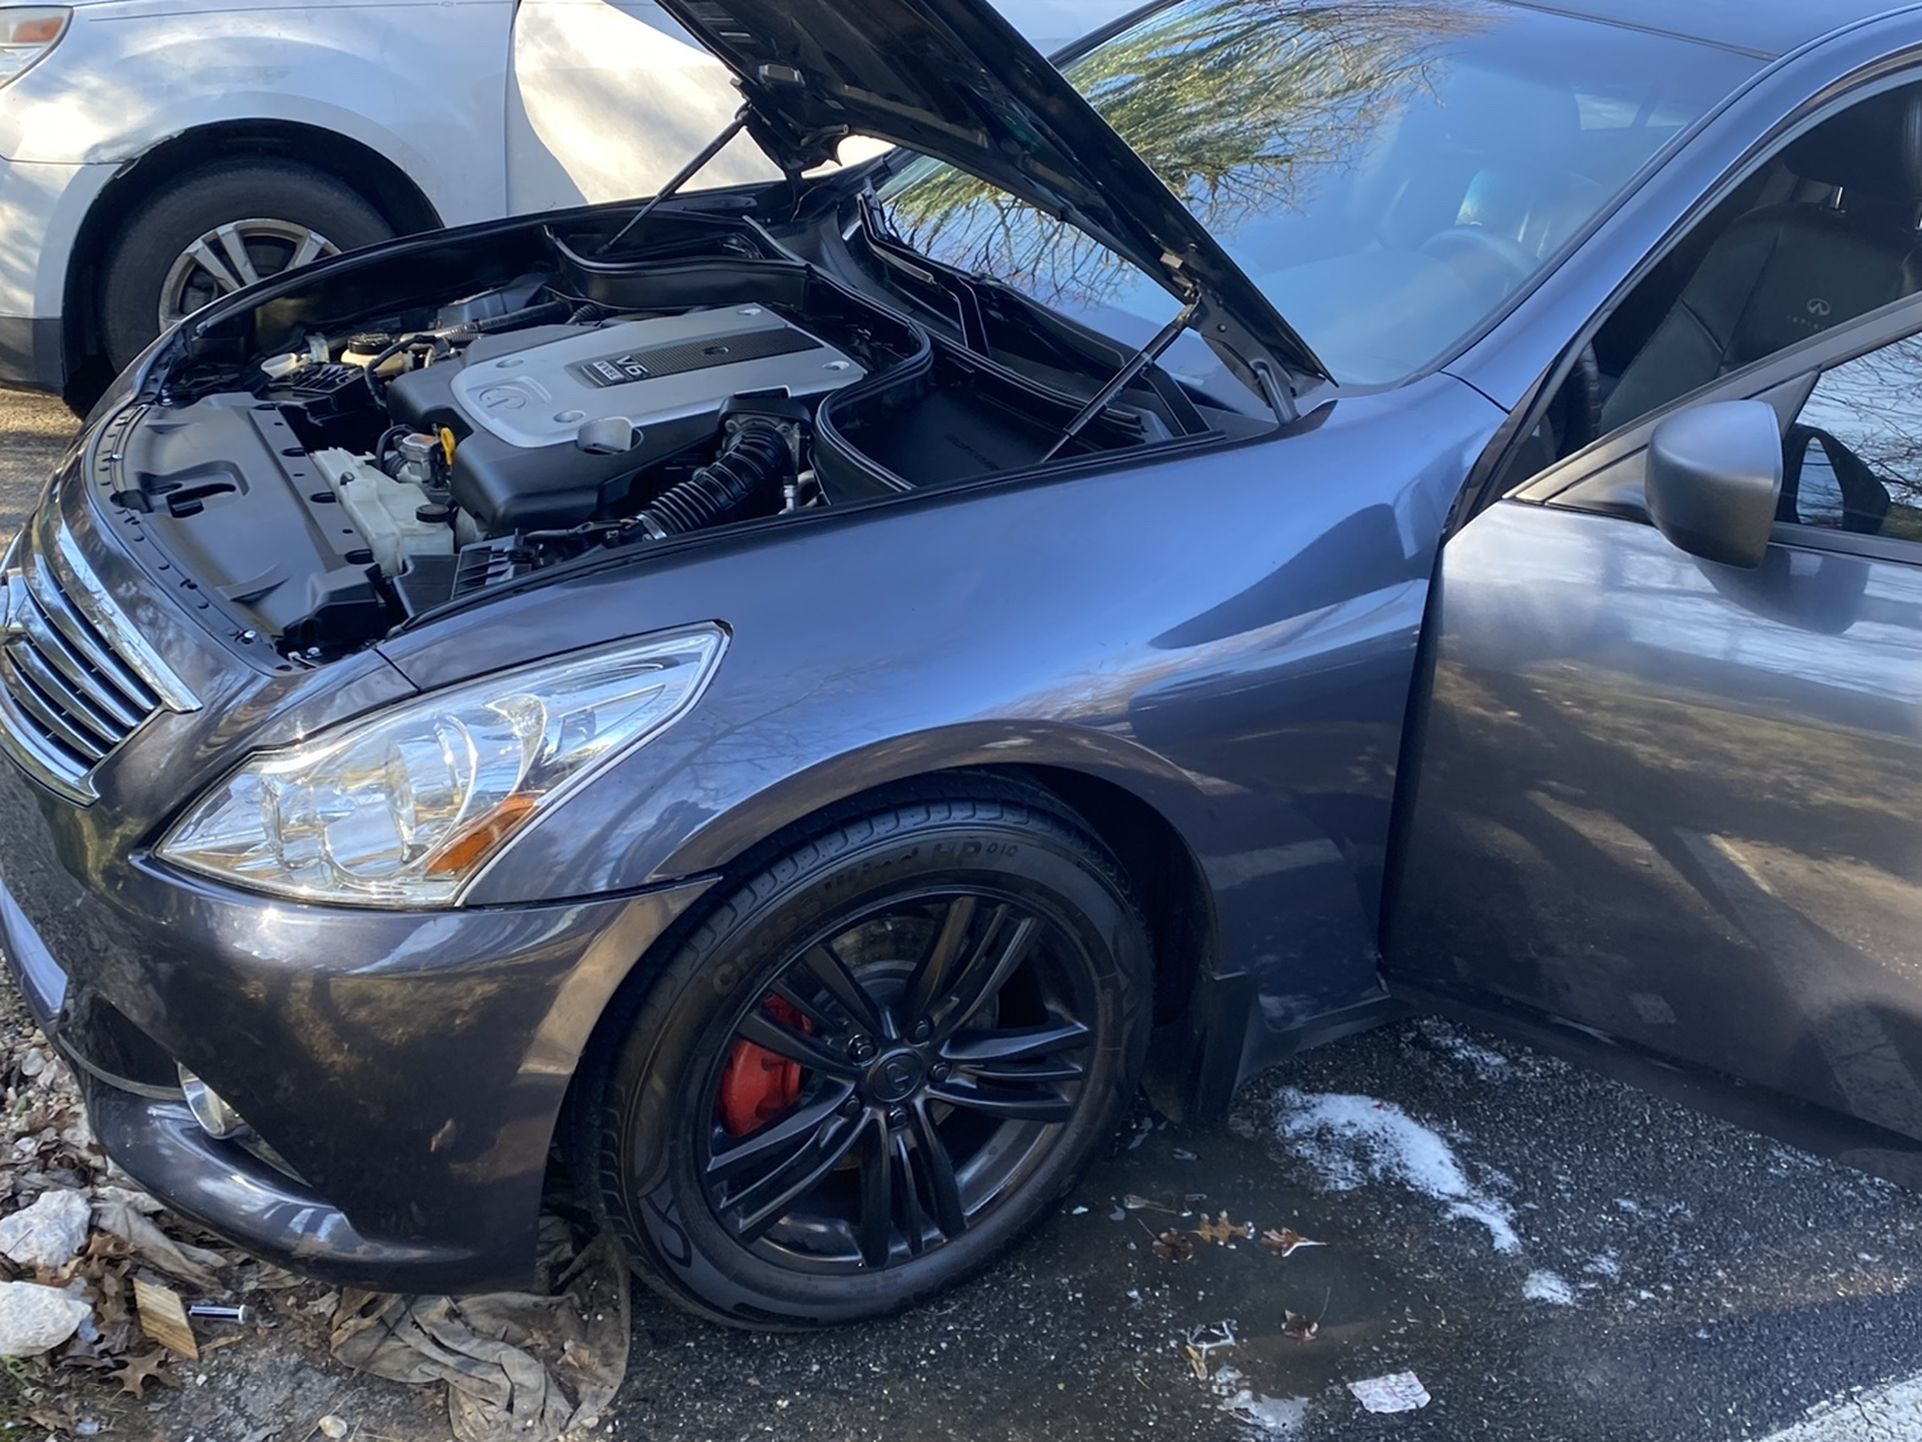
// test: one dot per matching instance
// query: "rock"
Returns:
(35, 1319)
(48, 1233)
(332, 1426)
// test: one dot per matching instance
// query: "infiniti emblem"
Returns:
(896, 1077)
(1818, 306)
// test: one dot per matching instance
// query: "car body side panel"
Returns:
(1247, 680)
(1675, 804)
(422, 83)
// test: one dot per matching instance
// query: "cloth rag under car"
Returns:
(517, 1365)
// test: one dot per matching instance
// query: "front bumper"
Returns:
(408, 1068)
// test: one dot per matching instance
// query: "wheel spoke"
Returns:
(969, 1048)
(914, 1217)
(764, 1030)
(760, 1205)
(817, 1015)
(877, 1194)
(944, 1189)
(313, 245)
(1008, 1103)
(763, 1148)
(1027, 1073)
(235, 244)
(828, 969)
(203, 254)
(932, 975)
(1003, 948)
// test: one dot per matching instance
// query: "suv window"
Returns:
(1854, 460)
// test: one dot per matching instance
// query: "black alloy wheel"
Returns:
(876, 1065)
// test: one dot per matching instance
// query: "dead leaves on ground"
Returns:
(1298, 1328)
(1222, 1231)
(1285, 1242)
(135, 1373)
(1172, 1246)
(1177, 1245)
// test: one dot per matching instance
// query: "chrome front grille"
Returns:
(75, 679)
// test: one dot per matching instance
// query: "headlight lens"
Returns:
(27, 33)
(408, 808)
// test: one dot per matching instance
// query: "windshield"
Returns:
(1388, 172)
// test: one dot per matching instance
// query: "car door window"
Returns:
(1854, 452)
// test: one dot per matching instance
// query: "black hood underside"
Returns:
(952, 79)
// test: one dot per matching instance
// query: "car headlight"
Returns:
(27, 34)
(409, 807)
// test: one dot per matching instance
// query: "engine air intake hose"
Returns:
(744, 478)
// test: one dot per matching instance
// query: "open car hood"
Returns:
(952, 79)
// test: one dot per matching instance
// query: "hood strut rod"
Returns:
(1123, 378)
(681, 177)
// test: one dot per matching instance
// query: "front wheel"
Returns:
(875, 1065)
(216, 230)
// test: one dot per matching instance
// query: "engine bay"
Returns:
(330, 479)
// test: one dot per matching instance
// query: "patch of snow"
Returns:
(1891, 1412)
(1271, 1416)
(1482, 1060)
(1603, 1264)
(1548, 1287)
(1350, 1139)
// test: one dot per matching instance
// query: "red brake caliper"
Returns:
(758, 1084)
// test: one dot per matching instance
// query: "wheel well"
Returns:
(1162, 872)
(387, 187)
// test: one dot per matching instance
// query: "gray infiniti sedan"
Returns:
(793, 702)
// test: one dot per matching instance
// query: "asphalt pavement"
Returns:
(1539, 1252)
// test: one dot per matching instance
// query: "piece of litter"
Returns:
(1298, 1328)
(1548, 1287)
(332, 1426)
(1078, 1211)
(1396, 1392)
(163, 1316)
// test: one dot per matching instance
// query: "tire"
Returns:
(970, 879)
(160, 230)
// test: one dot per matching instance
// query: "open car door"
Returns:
(1667, 811)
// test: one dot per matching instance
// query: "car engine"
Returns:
(337, 464)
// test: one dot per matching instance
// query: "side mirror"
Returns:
(1714, 478)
